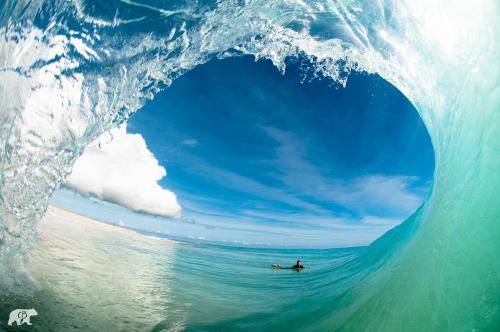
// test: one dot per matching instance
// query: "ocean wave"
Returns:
(72, 70)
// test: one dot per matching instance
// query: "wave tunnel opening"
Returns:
(287, 161)
(263, 104)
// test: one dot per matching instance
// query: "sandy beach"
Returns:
(64, 219)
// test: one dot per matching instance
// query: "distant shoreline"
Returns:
(77, 217)
(161, 236)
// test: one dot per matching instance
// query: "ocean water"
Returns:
(96, 277)
(70, 70)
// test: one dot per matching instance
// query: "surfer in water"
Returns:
(297, 267)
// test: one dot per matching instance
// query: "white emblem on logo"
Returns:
(21, 316)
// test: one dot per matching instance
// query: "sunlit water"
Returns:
(93, 276)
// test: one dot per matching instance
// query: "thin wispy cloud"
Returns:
(249, 186)
(393, 194)
(371, 203)
(379, 221)
(190, 142)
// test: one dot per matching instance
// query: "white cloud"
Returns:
(125, 172)
(190, 142)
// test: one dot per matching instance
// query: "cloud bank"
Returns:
(125, 172)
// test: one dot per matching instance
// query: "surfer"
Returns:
(297, 267)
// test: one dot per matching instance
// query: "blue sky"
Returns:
(259, 157)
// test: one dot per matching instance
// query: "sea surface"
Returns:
(96, 277)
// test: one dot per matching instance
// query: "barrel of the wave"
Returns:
(444, 57)
(447, 277)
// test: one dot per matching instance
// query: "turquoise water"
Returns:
(70, 70)
(95, 277)
(233, 289)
